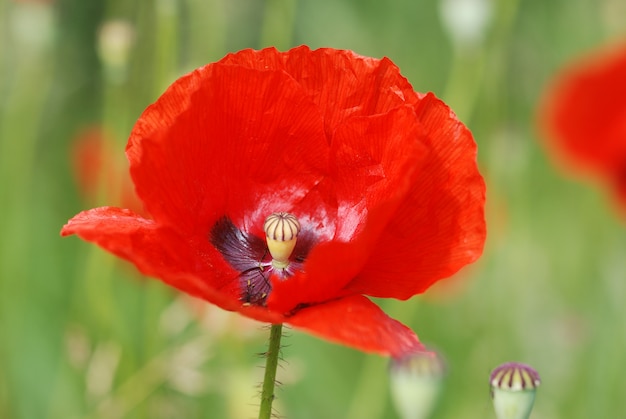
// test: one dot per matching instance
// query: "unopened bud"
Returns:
(513, 388)
(416, 382)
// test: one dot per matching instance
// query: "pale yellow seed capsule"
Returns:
(281, 233)
(513, 387)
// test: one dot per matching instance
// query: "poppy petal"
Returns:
(357, 322)
(440, 227)
(345, 85)
(373, 162)
(154, 250)
(227, 141)
(341, 83)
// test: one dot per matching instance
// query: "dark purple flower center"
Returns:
(249, 255)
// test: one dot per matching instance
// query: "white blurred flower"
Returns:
(184, 368)
(116, 39)
(466, 20)
(77, 347)
(32, 25)
(102, 368)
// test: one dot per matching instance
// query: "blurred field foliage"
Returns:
(82, 335)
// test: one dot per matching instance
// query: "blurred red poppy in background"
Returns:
(583, 117)
(381, 183)
(99, 170)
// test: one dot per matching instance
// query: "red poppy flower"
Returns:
(90, 152)
(383, 182)
(583, 117)
(98, 170)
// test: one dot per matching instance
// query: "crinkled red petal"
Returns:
(341, 83)
(357, 322)
(440, 226)
(226, 140)
(373, 165)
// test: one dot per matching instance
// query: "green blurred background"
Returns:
(83, 336)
